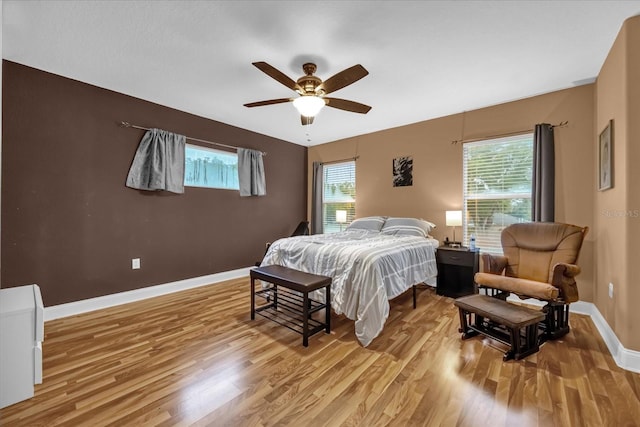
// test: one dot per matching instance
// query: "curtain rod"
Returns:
(559, 125)
(340, 160)
(129, 125)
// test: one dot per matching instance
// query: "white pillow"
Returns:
(407, 227)
(372, 223)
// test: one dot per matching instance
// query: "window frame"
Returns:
(329, 223)
(214, 152)
(490, 242)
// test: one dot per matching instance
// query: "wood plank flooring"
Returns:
(196, 358)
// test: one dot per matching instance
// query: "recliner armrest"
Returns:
(494, 264)
(568, 270)
(521, 287)
(564, 279)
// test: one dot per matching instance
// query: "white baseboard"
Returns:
(624, 358)
(91, 304)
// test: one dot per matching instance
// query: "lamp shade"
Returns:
(454, 218)
(308, 105)
(341, 216)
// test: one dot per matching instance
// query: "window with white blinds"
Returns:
(497, 177)
(338, 196)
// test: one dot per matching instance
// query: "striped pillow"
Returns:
(373, 223)
(407, 227)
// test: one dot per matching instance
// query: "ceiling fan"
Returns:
(312, 90)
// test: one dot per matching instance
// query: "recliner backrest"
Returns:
(533, 248)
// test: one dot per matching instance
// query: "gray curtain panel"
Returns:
(543, 182)
(251, 173)
(316, 199)
(159, 162)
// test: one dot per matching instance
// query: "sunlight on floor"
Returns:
(478, 406)
(204, 396)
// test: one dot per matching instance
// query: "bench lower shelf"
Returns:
(286, 308)
(288, 302)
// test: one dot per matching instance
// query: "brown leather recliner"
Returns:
(539, 262)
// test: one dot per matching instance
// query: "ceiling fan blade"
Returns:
(268, 102)
(343, 104)
(342, 79)
(306, 120)
(277, 75)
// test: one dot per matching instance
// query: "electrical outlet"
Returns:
(610, 290)
(135, 263)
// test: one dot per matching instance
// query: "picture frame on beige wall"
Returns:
(605, 158)
(403, 171)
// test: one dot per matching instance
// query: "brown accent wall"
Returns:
(437, 163)
(617, 220)
(69, 223)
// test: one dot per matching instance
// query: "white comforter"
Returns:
(368, 269)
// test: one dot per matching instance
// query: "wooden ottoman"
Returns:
(508, 323)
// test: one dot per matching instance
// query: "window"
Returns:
(339, 194)
(206, 167)
(497, 188)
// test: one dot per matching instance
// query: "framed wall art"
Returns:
(605, 169)
(403, 171)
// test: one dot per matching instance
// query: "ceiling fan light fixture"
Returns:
(311, 90)
(308, 105)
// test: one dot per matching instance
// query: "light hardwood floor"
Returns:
(196, 358)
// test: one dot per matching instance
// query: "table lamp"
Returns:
(454, 219)
(341, 218)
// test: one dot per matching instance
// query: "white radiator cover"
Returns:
(21, 336)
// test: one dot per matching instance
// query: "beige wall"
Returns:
(437, 163)
(610, 253)
(617, 211)
(633, 184)
(0, 119)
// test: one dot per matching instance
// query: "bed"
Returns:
(373, 261)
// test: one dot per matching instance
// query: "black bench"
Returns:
(288, 301)
(511, 324)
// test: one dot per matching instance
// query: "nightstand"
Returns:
(456, 268)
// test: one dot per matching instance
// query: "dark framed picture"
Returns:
(403, 171)
(605, 169)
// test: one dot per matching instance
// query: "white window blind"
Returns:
(339, 194)
(497, 177)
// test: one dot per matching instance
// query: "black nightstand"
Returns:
(456, 268)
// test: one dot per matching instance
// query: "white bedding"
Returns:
(368, 269)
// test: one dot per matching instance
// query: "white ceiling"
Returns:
(426, 59)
